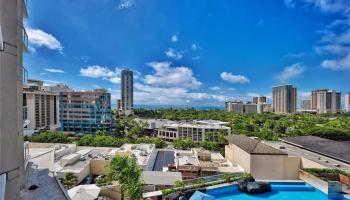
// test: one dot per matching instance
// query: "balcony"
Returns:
(25, 40)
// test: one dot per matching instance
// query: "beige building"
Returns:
(284, 99)
(13, 41)
(42, 107)
(260, 99)
(326, 101)
(261, 160)
(347, 102)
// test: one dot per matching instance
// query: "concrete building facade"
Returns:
(305, 104)
(13, 41)
(127, 93)
(260, 99)
(284, 99)
(347, 102)
(42, 107)
(85, 111)
(326, 101)
(198, 132)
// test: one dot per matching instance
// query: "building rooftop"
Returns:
(187, 160)
(161, 178)
(253, 146)
(141, 152)
(163, 159)
(330, 148)
(293, 150)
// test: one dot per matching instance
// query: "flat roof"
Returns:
(330, 148)
(161, 178)
(293, 150)
(163, 159)
(253, 146)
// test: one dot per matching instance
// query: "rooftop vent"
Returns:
(282, 147)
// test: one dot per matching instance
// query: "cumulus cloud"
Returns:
(327, 6)
(228, 76)
(337, 64)
(174, 38)
(105, 73)
(51, 70)
(171, 53)
(167, 75)
(332, 49)
(290, 72)
(39, 38)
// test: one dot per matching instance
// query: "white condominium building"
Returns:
(42, 107)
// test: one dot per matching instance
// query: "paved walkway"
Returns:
(48, 187)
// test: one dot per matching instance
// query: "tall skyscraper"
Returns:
(326, 101)
(284, 99)
(347, 102)
(13, 41)
(127, 93)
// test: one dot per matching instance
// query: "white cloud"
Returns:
(332, 49)
(290, 72)
(304, 95)
(337, 64)
(215, 88)
(174, 38)
(54, 70)
(296, 55)
(105, 73)
(228, 76)
(39, 38)
(167, 75)
(125, 4)
(195, 46)
(326, 6)
(171, 53)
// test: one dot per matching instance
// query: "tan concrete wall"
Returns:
(242, 158)
(291, 167)
(98, 167)
(229, 152)
(276, 167)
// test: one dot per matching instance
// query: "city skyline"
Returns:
(220, 51)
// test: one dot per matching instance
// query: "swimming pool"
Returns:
(280, 191)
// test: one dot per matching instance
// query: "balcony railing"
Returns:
(25, 39)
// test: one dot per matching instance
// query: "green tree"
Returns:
(125, 170)
(69, 180)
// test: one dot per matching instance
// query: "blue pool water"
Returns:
(280, 191)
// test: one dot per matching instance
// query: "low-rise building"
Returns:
(261, 160)
(188, 165)
(197, 131)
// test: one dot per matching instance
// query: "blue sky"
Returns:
(198, 52)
